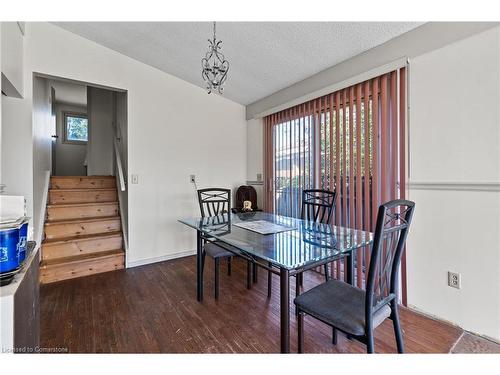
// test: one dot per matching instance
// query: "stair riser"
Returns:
(80, 247)
(82, 183)
(83, 212)
(60, 197)
(65, 230)
(53, 273)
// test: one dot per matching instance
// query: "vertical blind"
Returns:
(351, 141)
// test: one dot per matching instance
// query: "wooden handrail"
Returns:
(119, 166)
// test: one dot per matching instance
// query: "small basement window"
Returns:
(76, 128)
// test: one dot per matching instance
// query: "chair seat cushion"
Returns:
(215, 251)
(340, 305)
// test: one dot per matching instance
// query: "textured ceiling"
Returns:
(264, 57)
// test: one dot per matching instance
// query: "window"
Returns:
(305, 158)
(351, 141)
(75, 128)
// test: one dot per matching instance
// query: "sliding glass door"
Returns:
(294, 164)
(352, 142)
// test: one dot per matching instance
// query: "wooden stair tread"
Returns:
(82, 182)
(82, 195)
(78, 221)
(80, 189)
(83, 234)
(80, 177)
(87, 204)
(82, 238)
(81, 210)
(82, 258)
(81, 227)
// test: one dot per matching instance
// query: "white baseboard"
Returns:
(431, 316)
(439, 318)
(163, 258)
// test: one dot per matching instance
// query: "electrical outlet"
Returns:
(259, 177)
(454, 279)
(192, 179)
(135, 179)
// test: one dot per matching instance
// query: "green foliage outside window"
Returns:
(76, 129)
(295, 148)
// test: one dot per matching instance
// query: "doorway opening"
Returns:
(81, 130)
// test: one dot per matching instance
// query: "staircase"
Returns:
(83, 233)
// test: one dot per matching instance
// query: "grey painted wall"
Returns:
(121, 124)
(100, 146)
(69, 157)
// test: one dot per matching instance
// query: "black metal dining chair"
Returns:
(318, 207)
(358, 312)
(213, 202)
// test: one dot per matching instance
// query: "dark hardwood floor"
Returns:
(153, 308)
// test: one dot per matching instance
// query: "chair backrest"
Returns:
(219, 225)
(393, 222)
(214, 201)
(318, 235)
(317, 205)
(246, 193)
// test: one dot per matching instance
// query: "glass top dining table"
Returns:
(291, 247)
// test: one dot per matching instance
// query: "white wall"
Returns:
(455, 137)
(69, 92)
(43, 128)
(12, 61)
(255, 155)
(100, 145)
(70, 157)
(1, 87)
(17, 149)
(121, 128)
(174, 129)
(454, 96)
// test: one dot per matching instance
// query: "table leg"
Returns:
(285, 310)
(349, 269)
(199, 267)
(249, 274)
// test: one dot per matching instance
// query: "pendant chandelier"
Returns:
(214, 66)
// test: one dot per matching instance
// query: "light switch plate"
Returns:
(135, 179)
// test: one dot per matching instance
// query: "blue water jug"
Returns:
(23, 241)
(9, 253)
